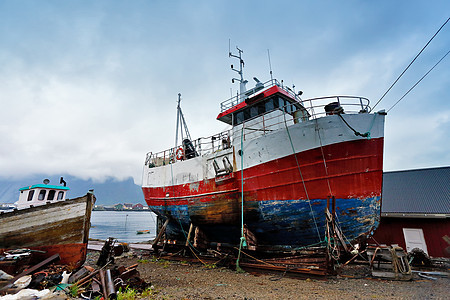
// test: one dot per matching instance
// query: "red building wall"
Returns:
(390, 232)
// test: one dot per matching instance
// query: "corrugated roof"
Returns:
(425, 191)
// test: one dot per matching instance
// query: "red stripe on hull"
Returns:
(353, 170)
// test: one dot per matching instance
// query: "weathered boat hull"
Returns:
(56, 228)
(285, 195)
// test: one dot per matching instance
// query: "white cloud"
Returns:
(88, 90)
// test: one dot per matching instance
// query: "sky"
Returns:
(87, 88)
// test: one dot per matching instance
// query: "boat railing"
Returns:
(264, 124)
(283, 117)
(350, 104)
(317, 107)
(202, 146)
(229, 103)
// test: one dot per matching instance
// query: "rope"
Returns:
(301, 176)
(357, 133)
(323, 157)
(179, 221)
(398, 267)
(409, 65)
(261, 261)
(242, 242)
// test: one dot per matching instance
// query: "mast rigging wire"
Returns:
(417, 82)
(410, 64)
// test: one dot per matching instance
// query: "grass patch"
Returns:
(127, 294)
(73, 290)
(131, 294)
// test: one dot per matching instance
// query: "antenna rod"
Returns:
(178, 119)
(270, 66)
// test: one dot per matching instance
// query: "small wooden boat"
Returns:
(142, 231)
(44, 220)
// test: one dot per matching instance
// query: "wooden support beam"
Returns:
(160, 234)
(191, 227)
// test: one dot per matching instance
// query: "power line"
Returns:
(418, 82)
(409, 65)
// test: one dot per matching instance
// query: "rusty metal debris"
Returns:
(389, 262)
(85, 282)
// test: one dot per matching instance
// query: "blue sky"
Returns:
(89, 87)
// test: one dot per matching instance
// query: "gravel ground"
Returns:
(181, 280)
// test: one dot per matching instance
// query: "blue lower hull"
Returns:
(277, 224)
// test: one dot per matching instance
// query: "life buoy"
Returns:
(179, 154)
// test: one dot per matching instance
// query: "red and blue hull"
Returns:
(284, 198)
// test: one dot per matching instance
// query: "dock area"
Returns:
(97, 246)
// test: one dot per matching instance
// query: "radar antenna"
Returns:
(242, 81)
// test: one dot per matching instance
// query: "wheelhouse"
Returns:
(273, 99)
(40, 194)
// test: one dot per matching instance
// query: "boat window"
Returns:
(282, 103)
(239, 117)
(261, 108)
(269, 105)
(60, 195)
(246, 114)
(276, 103)
(51, 195)
(253, 111)
(42, 195)
(30, 195)
(289, 108)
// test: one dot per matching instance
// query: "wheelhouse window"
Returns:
(51, 195)
(269, 105)
(60, 195)
(239, 118)
(253, 111)
(30, 195)
(42, 195)
(282, 103)
(262, 108)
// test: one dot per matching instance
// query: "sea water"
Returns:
(123, 225)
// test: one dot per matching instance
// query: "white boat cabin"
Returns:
(40, 194)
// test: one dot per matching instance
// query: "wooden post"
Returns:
(160, 234)
(191, 227)
(186, 245)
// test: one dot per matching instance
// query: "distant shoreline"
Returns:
(130, 210)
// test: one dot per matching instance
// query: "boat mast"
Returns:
(242, 81)
(181, 123)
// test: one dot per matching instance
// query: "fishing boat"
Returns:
(269, 178)
(47, 223)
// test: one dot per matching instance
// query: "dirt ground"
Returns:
(183, 280)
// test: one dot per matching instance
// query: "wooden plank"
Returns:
(322, 272)
(160, 233)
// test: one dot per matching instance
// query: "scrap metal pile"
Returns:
(47, 278)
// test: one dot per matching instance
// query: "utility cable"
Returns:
(417, 82)
(409, 64)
